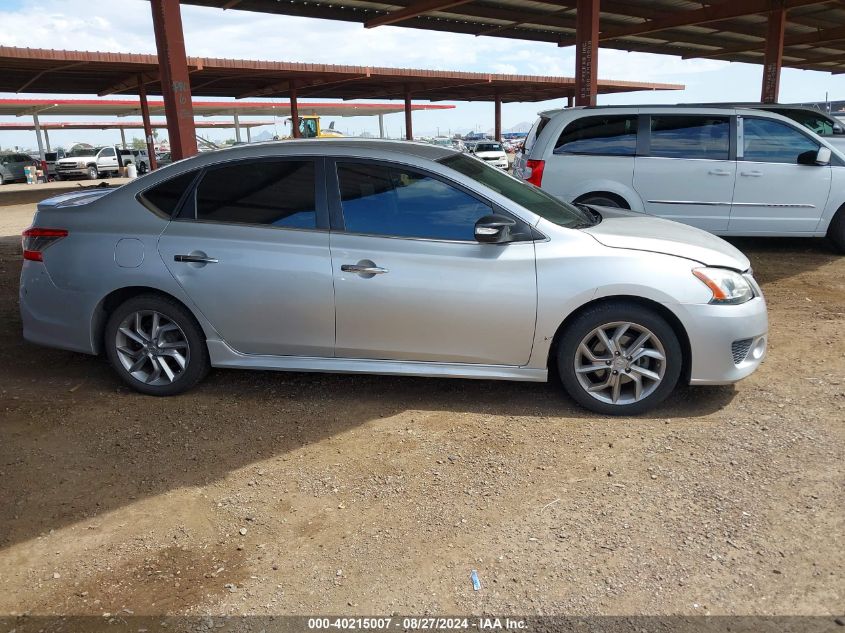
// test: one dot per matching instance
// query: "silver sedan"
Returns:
(389, 258)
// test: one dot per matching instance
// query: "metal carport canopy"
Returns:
(733, 30)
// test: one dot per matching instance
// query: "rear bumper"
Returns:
(727, 343)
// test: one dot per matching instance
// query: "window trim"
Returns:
(732, 136)
(637, 136)
(186, 212)
(336, 204)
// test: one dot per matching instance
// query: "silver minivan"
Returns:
(12, 166)
(730, 171)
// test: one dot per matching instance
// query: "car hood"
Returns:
(491, 154)
(75, 159)
(621, 228)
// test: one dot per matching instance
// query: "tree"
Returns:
(138, 143)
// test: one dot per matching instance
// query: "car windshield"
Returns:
(488, 147)
(50, 156)
(526, 195)
(83, 151)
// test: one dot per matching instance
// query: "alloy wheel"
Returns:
(620, 363)
(152, 347)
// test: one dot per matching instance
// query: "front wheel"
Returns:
(93, 172)
(156, 346)
(619, 358)
(601, 200)
(836, 231)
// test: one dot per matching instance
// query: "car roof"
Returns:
(737, 108)
(327, 146)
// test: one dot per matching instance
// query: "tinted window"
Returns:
(165, 196)
(818, 123)
(534, 132)
(690, 137)
(50, 156)
(768, 141)
(276, 193)
(108, 152)
(602, 135)
(399, 202)
(488, 147)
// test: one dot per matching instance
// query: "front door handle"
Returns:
(751, 174)
(359, 269)
(719, 172)
(195, 259)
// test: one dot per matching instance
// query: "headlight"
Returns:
(80, 164)
(728, 286)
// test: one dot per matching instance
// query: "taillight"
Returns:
(34, 241)
(536, 175)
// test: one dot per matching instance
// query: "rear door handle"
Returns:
(719, 172)
(195, 259)
(752, 174)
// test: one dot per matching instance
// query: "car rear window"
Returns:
(164, 198)
(614, 135)
(534, 132)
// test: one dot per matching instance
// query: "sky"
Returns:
(126, 26)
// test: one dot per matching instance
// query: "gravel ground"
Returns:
(271, 493)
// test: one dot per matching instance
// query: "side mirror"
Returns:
(820, 157)
(837, 130)
(493, 229)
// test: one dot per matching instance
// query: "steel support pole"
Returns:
(122, 138)
(409, 124)
(497, 115)
(38, 135)
(569, 102)
(248, 136)
(381, 126)
(175, 84)
(47, 140)
(294, 113)
(586, 52)
(148, 128)
(773, 59)
(237, 128)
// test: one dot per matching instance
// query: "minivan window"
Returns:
(525, 195)
(690, 136)
(534, 132)
(278, 193)
(400, 202)
(767, 141)
(614, 135)
(818, 123)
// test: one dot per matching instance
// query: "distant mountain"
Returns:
(523, 126)
(266, 135)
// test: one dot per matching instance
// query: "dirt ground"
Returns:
(272, 493)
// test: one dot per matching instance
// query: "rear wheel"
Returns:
(142, 168)
(2, 180)
(836, 231)
(156, 346)
(619, 358)
(93, 172)
(603, 200)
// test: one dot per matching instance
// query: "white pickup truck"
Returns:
(88, 162)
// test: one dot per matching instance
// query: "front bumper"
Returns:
(72, 171)
(727, 342)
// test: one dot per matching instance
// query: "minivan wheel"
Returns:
(93, 172)
(601, 200)
(156, 346)
(619, 359)
(836, 231)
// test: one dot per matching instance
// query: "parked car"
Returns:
(88, 162)
(12, 166)
(728, 171)
(138, 157)
(50, 159)
(390, 258)
(490, 152)
(163, 159)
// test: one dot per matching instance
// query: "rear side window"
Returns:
(600, 135)
(399, 202)
(683, 136)
(164, 197)
(278, 193)
(534, 132)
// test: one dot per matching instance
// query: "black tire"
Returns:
(602, 200)
(93, 172)
(836, 231)
(57, 177)
(142, 168)
(584, 324)
(196, 354)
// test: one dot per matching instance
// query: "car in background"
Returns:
(88, 162)
(491, 152)
(163, 158)
(50, 159)
(13, 165)
(137, 157)
(381, 257)
(730, 171)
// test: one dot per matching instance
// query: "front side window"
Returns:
(685, 136)
(278, 193)
(767, 141)
(614, 135)
(108, 152)
(400, 202)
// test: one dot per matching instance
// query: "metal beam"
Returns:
(175, 85)
(122, 138)
(587, 52)
(294, 112)
(497, 118)
(148, 130)
(381, 126)
(774, 56)
(409, 124)
(38, 135)
(821, 36)
(44, 72)
(281, 87)
(237, 128)
(129, 83)
(412, 11)
(725, 10)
